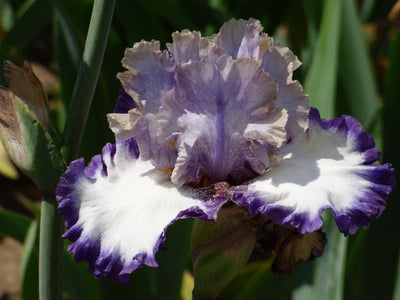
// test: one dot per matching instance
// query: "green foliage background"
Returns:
(351, 65)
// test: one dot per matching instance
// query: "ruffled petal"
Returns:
(277, 60)
(240, 38)
(150, 75)
(123, 124)
(280, 63)
(230, 68)
(291, 98)
(185, 46)
(329, 167)
(118, 208)
(190, 45)
(214, 113)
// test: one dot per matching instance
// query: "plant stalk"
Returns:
(50, 250)
(88, 75)
(51, 226)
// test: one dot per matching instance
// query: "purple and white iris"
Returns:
(211, 120)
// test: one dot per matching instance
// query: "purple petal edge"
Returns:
(382, 177)
(371, 203)
(281, 215)
(84, 249)
(350, 126)
(110, 265)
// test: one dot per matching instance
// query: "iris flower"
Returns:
(208, 121)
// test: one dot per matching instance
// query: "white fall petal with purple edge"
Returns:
(119, 207)
(331, 166)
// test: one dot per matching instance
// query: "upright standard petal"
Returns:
(331, 166)
(118, 208)
(280, 63)
(149, 77)
(240, 38)
(277, 60)
(150, 74)
(190, 45)
(154, 76)
(214, 113)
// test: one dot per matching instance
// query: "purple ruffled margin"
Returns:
(284, 216)
(381, 177)
(85, 249)
(370, 204)
(350, 126)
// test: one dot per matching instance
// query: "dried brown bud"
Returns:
(24, 128)
(289, 246)
(24, 84)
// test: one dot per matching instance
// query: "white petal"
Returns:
(117, 211)
(330, 167)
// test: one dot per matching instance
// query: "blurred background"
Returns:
(350, 52)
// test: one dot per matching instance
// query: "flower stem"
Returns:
(50, 250)
(88, 75)
(51, 227)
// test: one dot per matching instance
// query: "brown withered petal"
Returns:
(10, 131)
(8, 118)
(24, 83)
(289, 246)
(394, 15)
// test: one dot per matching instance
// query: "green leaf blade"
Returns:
(321, 79)
(14, 225)
(355, 71)
(29, 263)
